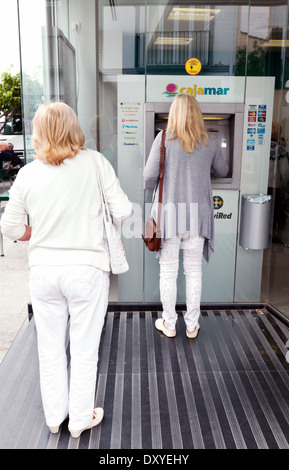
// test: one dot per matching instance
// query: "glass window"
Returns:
(179, 32)
(276, 272)
(13, 126)
(121, 94)
(32, 63)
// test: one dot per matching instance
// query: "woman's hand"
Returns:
(27, 234)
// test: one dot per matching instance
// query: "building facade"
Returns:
(119, 64)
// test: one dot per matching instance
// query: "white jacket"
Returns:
(64, 208)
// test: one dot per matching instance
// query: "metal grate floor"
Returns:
(228, 389)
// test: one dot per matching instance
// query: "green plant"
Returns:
(255, 61)
(10, 97)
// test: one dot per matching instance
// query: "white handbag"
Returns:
(118, 261)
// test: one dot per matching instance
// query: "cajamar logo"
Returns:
(218, 202)
(171, 89)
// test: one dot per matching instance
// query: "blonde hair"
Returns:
(56, 133)
(186, 123)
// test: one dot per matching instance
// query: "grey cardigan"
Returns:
(187, 191)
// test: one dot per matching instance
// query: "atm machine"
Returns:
(226, 122)
(238, 110)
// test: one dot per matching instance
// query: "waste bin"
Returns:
(255, 221)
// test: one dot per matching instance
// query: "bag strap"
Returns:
(104, 204)
(161, 180)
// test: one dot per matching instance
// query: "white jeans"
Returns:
(169, 265)
(58, 292)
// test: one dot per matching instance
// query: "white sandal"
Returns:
(97, 418)
(160, 325)
(54, 429)
(194, 333)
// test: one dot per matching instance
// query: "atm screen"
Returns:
(221, 125)
(224, 120)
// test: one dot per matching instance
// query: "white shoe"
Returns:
(160, 325)
(54, 429)
(194, 333)
(97, 418)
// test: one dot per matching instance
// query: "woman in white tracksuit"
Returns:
(68, 259)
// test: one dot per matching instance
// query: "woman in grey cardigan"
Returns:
(187, 219)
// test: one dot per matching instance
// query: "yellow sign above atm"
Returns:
(193, 66)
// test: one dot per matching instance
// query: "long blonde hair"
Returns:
(186, 123)
(56, 133)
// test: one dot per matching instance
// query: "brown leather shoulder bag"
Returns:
(153, 236)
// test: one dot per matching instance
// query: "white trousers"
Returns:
(57, 294)
(169, 265)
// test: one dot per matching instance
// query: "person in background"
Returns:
(68, 259)
(5, 155)
(187, 219)
(16, 162)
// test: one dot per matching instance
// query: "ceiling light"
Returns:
(276, 43)
(169, 41)
(197, 14)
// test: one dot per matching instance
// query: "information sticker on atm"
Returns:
(250, 144)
